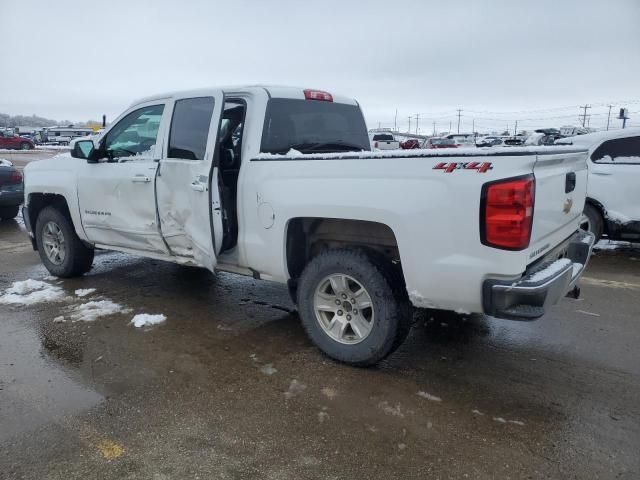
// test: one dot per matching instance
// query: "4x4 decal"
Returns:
(451, 166)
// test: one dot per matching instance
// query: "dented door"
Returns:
(185, 192)
(116, 195)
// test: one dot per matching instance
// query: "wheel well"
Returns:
(600, 208)
(38, 201)
(307, 237)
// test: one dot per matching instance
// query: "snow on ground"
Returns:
(90, 311)
(295, 388)
(5, 163)
(83, 292)
(268, 369)
(52, 147)
(146, 320)
(29, 292)
(428, 396)
(611, 245)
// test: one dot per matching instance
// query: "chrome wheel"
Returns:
(53, 243)
(344, 309)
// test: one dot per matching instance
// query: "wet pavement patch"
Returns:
(228, 386)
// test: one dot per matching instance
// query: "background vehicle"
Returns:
(10, 140)
(489, 142)
(410, 144)
(438, 142)
(383, 141)
(462, 139)
(513, 141)
(259, 181)
(613, 192)
(11, 190)
(64, 135)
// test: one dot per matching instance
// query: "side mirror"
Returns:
(83, 149)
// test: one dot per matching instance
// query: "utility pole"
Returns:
(473, 127)
(395, 122)
(609, 116)
(409, 129)
(417, 122)
(584, 114)
(434, 128)
(449, 126)
(459, 111)
(515, 129)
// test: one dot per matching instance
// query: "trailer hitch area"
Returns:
(574, 292)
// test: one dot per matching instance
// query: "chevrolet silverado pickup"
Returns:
(281, 184)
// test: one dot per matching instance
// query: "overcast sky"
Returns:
(498, 61)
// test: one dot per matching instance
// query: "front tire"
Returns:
(25, 146)
(352, 308)
(593, 221)
(61, 250)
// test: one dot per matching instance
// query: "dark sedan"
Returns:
(11, 190)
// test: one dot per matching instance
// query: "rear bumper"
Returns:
(543, 285)
(11, 198)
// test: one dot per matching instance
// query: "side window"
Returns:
(619, 150)
(135, 134)
(190, 128)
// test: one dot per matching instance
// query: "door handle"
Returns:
(198, 187)
(140, 179)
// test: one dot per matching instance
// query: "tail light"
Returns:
(318, 95)
(506, 213)
(375, 145)
(15, 178)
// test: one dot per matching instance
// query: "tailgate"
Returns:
(561, 186)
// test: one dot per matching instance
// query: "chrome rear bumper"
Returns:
(529, 297)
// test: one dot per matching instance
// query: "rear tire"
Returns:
(594, 222)
(25, 146)
(8, 213)
(61, 250)
(351, 332)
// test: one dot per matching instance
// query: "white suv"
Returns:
(613, 190)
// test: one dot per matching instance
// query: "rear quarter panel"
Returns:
(433, 214)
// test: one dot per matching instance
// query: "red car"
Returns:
(410, 144)
(15, 142)
(440, 143)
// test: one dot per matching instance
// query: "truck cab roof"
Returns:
(272, 91)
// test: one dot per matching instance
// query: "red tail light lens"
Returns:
(375, 145)
(506, 214)
(15, 178)
(318, 95)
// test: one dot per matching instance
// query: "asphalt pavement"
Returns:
(229, 387)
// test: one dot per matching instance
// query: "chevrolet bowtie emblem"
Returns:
(568, 203)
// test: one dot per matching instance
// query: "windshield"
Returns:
(312, 126)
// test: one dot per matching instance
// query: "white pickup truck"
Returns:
(280, 184)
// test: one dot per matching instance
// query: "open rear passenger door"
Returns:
(187, 193)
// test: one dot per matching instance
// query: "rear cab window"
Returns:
(312, 126)
(383, 137)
